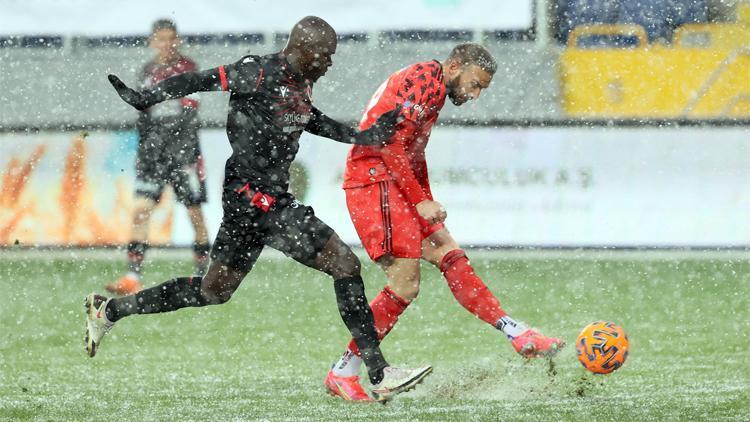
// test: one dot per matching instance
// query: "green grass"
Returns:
(264, 354)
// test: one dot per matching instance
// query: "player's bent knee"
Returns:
(216, 297)
(406, 287)
(437, 255)
(220, 283)
(407, 291)
(338, 260)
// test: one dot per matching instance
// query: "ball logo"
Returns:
(602, 347)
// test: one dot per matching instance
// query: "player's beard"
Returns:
(451, 89)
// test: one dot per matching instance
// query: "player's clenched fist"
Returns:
(432, 211)
(129, 95)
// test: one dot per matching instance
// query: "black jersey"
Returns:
(269, 107)
(270, 104)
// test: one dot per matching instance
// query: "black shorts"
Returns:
(157, 166)
(287, 226)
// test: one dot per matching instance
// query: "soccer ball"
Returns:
(602, 347)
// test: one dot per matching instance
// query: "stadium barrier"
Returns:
(556, 186)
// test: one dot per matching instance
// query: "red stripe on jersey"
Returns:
(223, 79)
(385, 209)
(260, 78)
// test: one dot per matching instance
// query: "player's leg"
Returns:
(236, 248)
(213, 289)
(131, 282)
(391, 234)
(386, 382)
(144, 208)
(403, 286)
(308, 240)
(303, 237)
(150, 180)
(403, 276)
(201, 248)
(440, 249)
(387, 226)
(189, 185)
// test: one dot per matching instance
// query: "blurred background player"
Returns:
(168, 154)
(391, 205)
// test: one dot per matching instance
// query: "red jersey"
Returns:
(420, 91)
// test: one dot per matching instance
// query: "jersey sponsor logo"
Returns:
(418, 108)
(294, 122)
(291, 118)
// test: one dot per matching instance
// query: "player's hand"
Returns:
(129, 95)
(381, 132)
(432, 211)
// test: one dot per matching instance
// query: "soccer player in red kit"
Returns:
(392, 208)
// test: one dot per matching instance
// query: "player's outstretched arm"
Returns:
(174, 87)
(379, 133)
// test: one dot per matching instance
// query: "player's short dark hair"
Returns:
(163, 24)
(472, 53)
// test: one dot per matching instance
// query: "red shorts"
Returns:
(386, 222)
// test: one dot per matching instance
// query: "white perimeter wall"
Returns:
(555, 186)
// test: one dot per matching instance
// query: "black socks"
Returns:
(167, 297)
(186, 292)
(357, 315)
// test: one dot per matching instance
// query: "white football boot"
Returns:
(97, 324)
(398, 380)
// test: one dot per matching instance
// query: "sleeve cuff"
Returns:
(415, 196)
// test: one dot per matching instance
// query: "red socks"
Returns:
(469, 290)
(386, 308)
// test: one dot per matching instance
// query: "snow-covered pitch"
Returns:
(265, 353)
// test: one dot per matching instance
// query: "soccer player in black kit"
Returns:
(269, 108)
